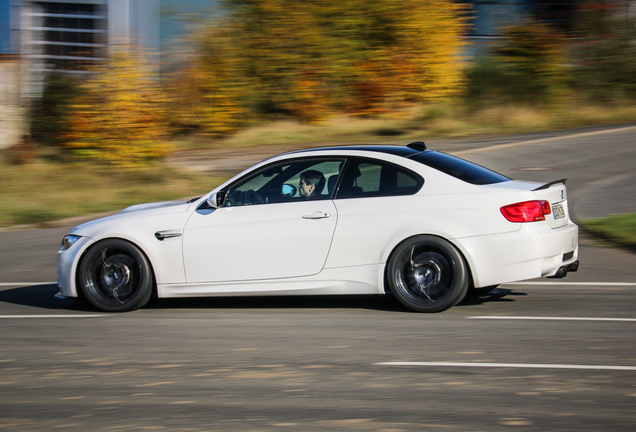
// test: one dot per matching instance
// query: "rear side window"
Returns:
(374, 178)
(459, 168)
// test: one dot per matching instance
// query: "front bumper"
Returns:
(67, 262)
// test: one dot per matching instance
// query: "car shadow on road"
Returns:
(43, 297)
(370, 302)
(386, 302)
(496, 295)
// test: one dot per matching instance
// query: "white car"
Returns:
(425, 225)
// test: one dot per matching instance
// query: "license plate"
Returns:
(558, 211)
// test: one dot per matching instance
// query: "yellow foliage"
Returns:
(200, 99)
(119, 114)
(312, 59)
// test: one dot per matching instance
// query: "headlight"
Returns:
(68, 241)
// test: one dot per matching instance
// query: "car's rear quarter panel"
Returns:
(466, 215)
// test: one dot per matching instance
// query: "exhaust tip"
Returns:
(563, 270)
(574, 266)
(560, 273)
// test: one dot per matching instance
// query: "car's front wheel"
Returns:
(115, 276)
(427, 274)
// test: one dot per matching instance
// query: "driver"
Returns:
(311, 183)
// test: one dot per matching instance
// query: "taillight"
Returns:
(527, 211)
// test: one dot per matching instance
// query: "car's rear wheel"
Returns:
(427, 274)
(115, 276)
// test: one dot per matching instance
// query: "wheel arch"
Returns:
(394, 248)
(433, 279)
(96, 243)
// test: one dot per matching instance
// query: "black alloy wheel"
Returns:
(427, 274)
(115, 276)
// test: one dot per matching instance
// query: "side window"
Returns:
(374, 178)
(288, 181)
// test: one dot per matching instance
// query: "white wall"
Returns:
(12, 114)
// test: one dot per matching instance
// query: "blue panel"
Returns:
(5, 27)
(489, 16)
(176, 14)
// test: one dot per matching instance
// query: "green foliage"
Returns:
(487, 81)
(530, 66)
(48, 116)
(604, 55)
(619, 229)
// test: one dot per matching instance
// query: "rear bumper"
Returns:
(564, 270)
(534, 251)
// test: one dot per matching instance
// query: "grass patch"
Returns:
(618, 229)
(424, 122)
(42, 191)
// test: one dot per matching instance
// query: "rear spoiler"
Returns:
(552, 183)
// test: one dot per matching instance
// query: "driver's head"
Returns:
(309, 182)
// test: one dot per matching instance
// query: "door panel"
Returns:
(259, 241)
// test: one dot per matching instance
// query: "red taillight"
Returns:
(527, 211)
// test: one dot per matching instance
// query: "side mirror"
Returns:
(288, 190)
(213, 200)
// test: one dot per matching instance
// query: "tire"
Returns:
(115, 276)
(427, 274)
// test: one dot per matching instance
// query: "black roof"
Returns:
(448, 164)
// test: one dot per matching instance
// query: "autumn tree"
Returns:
(206, 93)
(119, 114)
(311, 59)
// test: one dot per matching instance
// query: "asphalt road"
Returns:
(542, 355)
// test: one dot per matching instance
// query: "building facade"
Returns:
(71, 35)
(68, 36)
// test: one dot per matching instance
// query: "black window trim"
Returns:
(361, 159)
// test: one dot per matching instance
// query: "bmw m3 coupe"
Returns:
(422, 224)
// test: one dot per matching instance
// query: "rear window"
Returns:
(374, 178)
(459, 168)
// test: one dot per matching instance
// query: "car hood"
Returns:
(139, 215)
(154, 205)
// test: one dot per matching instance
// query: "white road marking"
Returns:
(19, 284)
(510, 365)
(560, 283)
(502, 317)
(51, 316)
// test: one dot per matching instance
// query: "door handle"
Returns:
(317, 215)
